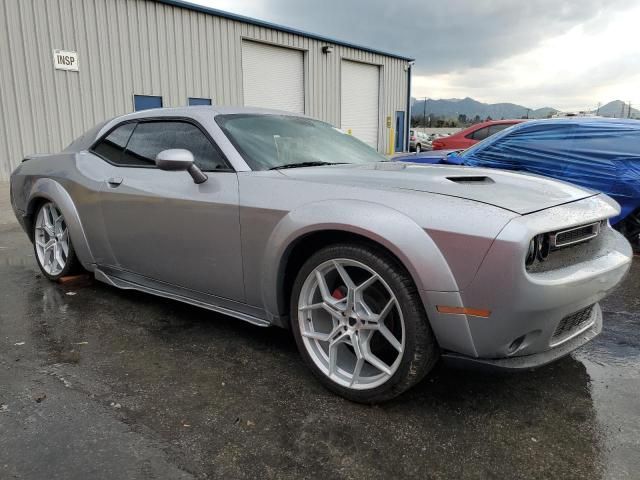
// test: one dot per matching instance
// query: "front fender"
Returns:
(381, 224)
(51, 190)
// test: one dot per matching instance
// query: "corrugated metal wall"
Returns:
(144, 47)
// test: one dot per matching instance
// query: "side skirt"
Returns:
(129, 281)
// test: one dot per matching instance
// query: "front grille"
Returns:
(572, 323)
(575, 235)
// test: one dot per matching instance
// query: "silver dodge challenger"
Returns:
(379, 268)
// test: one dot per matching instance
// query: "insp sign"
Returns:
(64, 60)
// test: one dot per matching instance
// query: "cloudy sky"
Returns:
(567, 54)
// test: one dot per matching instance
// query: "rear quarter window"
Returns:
(112, 146)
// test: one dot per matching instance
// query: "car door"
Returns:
(161, 225)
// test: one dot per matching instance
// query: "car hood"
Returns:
(516, 192)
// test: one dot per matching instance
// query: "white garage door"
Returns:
(359, 101)
(273, 77)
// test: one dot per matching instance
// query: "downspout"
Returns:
(407, 127)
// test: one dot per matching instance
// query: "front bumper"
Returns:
(527, 307)
(534, 360)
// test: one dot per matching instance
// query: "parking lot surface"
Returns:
(97, 382)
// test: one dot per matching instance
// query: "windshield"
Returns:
(271, 141)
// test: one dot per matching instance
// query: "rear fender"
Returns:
(48, 189)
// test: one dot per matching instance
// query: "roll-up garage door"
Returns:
(273, 77)
(359, 101)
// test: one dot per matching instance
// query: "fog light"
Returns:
(515, 345)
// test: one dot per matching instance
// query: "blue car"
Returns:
(598, 153)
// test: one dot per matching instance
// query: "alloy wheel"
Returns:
(351, 324)
(51, 239)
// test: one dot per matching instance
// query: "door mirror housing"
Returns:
(179, 159)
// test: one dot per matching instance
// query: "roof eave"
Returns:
(274, 26)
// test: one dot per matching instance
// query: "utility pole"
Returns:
(424, 113)
(629, 112)
(622, 112)
(598, 109)
(528, 110)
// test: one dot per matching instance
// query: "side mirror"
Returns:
(179, 159)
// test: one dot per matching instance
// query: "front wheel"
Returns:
(418, 148)
(54, 251)
(359, 323)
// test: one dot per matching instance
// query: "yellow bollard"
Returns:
(392, 142)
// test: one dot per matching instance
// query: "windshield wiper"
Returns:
(305, 164)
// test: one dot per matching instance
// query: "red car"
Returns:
(472, 135)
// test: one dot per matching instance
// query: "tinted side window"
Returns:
(150, 138)
(112, 146)
(497, 128)
(480, 134)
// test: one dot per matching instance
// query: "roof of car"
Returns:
(198, 109)
(488, 123)
(585, 121)
(188, 112)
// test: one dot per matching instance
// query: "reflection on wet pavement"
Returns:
(206, 395)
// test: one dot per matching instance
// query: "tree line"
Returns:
(440, 121)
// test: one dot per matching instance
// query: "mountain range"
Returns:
(452, 107)
(617, 108)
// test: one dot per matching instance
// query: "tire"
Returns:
(51, 243)
(337, 330)
(418, 148)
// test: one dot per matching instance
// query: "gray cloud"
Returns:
(443, 36)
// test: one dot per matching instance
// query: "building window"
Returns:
(199, 101)
(144, 102)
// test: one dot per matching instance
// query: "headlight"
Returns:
(538, 249)
(532, 252)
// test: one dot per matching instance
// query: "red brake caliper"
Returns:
(339, 293)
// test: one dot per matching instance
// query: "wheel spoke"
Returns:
(322, 337)
(356, 371)
(64, 243)
(367, 310)
(386, 333)
(46, 258)
(48, 215)
(376, 362)
(367, 283)
(385, 311)
(313, 306)
(333, 352)
(322, 285)
(47, 220)
(58, 255)
(344, 276)
(351, 287)
(49, 245)
(57, 225)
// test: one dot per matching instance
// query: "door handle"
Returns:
(114, 181)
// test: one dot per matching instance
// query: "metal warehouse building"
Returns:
(69, 64)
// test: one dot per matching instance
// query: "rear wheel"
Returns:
(52, 245)
(359, 323)
(418, 148)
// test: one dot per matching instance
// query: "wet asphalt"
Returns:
(98, 383)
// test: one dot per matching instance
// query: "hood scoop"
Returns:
(472, 180)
